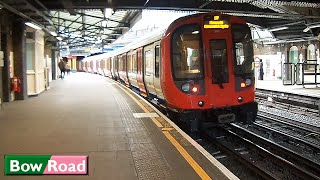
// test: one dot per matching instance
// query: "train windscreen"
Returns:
(187, 61)
(219, 61)
(243, 49)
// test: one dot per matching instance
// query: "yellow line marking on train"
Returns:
(142, 107)
(187, 157)
(166, 132)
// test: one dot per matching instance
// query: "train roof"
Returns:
(153, 37)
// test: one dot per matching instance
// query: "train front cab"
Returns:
(211, 66)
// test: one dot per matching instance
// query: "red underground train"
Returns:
(200, 68)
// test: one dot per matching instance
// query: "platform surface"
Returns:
(87, 114)
(276, 85)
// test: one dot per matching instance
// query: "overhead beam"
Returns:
(39, 13)
(67, 4)
(92, 25)
(13, 10)
(98, 17)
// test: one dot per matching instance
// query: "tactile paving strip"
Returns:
(148, 161)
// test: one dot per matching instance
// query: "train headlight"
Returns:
(186, 87)
(248, 82)
(195, 89)
(243, 85)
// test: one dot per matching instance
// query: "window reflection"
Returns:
(186, 56)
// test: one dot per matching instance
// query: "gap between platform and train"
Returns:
(166, 131)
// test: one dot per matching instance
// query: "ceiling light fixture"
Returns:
(278, 29)
(104, 23)
(306, 29)
(311, 26)
(314, 26)
(108, 12)
(32, 25)
(53, 33)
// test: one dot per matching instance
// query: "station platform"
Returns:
(123, 135)
(276, 85)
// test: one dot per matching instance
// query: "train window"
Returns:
(186, 56)
(219, 61)
(129, 64)
(134, 62)
(243, 49)
(148, 63)
(119, 64)
(157, 62)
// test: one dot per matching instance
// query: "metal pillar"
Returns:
(6, 68)
(20, 66)
(53, 64)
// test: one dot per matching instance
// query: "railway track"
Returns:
(297, 129)
(294, 102)
(261, 155)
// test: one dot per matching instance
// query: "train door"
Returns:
(157, 65)
(129, 67)
(140, 76)
(97, 67)
(109, 72)
(149, 68)
(132, 68)
(218, 52)
(119, 67)
(115, 67)
(91, 67)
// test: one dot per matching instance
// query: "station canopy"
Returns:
(78, 26)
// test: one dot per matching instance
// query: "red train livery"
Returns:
(200, 69)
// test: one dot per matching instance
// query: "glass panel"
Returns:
(129, 64)
(299, 74)
(288, 74)
(157, 61)
(30, 56)
(243, 49)
(134, 62)
(187, 60)
(219, 61)
(148, 63)
(119, 64)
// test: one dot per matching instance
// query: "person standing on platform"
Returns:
(68, 69)
(62, 67)
(261, 73)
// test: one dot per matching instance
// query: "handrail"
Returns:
(303, 69)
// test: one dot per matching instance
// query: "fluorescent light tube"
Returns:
(53, 33)
(314, 26)
(32, 25)
(306, 29)
(278, 29)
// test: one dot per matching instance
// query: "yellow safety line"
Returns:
(187, 157)
(143, 108)
(167, 129)
(182, 151)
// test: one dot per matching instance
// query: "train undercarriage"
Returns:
(194, 121)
